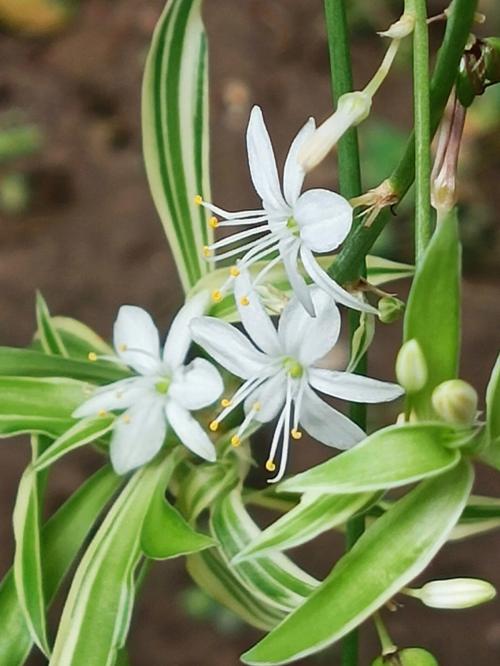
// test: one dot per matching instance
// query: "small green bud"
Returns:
(407, 657)
(455, 401)
(411, 368)
(454, 593)
(390, 309)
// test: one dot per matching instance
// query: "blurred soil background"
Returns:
(77, 222)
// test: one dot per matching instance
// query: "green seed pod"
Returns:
(407, 657)
(455, 401)
(390, 309)
(411, 368)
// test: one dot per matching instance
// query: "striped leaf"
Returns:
(77, 338)
(50, 339)
(175, 133)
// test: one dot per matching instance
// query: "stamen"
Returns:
(198, 200)
(256, 407)
(225, 402)
(213, 222)
(241, 235)
(92, 356)
(126, 418)
(270, 466)
(123, 347)
(214, 425)
(207, 252)
(234, 271)
(296, 434)
(102, 412)
(227, 214)
(235, 441)
(244, 300)
(217, 295)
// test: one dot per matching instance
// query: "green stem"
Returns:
(360, 240)
(421, 96)
(388, 646)
(350, 186)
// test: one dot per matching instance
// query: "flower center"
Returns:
(292, 226)
(163, 385)
(293, 367)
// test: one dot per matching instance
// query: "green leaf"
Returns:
(16, 362)
(50, 339)
(379, 271)
(101, 597)
(62, 537)
(361, 340)
(274, 578)
(391, 457)
(38, 405)
(77, 338)
(202, 486)
(371, 573)
(166, 534)
(492, 453)
(314, 515)
(175, 133)
(83, 432)
(433, 312)
(210, 572)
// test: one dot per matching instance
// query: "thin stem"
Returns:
(421, 96)
(388, 646)
(346, 266)
(350, 186)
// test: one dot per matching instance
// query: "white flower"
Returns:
(280, 373)
(291, 224)
(163, 393)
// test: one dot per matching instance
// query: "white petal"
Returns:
(197, 385)
(294, 174)
(355, 388)
(300, 289)
(326, 424)
(254, 318)
(271, 397)
(307, 338)
(228, 347)
(138, 435)
(324, 219)
(135, 330)
(189, 431)
(324, 281)
(179, 336)
(119, 395)
(263, 165)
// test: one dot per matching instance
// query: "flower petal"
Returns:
(324, 281)
(263, 165)
(138, 435)
(254, 318)
(324, 219)
(326, 424)
(271, 397)
(294, 174)
(119, 395)
(179, 336)
(136, 339)
(189, 431)
(307, 338)
(197, 385)
(289, 255)
(355, 388)
(228, 346)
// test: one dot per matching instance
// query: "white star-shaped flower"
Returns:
(292, 224)
(162, 394)
(280, 373)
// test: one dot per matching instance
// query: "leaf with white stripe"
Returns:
(49, 335)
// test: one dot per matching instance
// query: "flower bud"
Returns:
(454, 593)
(411, 368)
(390, 309)
(455, 401)
(407, 657)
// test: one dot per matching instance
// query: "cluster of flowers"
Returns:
(278, 366)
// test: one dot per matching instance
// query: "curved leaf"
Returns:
(492, 453)
(50, 339)
(77, 338)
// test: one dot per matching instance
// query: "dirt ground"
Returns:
(91, 241)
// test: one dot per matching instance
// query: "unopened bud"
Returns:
(352, 108)
(411, 368)
(401, 28)
(407, 657)
(454, 593)
(390, 309)
(455, 401)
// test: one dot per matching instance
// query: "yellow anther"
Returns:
(102, 412)
(126, 418)
(217, 296)
(235, 441)
(207, 252)
(225, 402)
(296, 434)
(92, 356)
(256, 406)
(244, 300)
(123, 347)
(213, 222)
(270, 466)
(198, 199)
(234, 271)
(214, 426)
